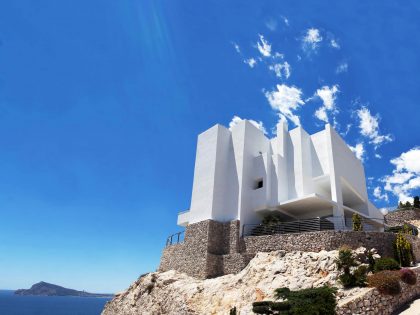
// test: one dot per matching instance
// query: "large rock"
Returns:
(172, 292)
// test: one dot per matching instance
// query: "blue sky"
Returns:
(101, 103)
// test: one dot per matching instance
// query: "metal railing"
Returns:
(175, 238)
(298, 226)
(308, 225)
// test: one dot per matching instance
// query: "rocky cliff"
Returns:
(172, 292)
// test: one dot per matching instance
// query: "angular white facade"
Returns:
(243, 175)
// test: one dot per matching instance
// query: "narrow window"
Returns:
(259, 183)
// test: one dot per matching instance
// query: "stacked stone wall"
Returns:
(324, 240)
(399, 217)
(374, 303)
(212, 249)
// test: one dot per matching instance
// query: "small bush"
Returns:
(263, 307)
(314, 301)
(371, 260)
(348, 280)
(357, 222)
(232, 311)
(281, 306)
(387, 282)
(385, 263)
(360, 276)
(309, 301)
(345, 261)
(403, 251)
(408, 276)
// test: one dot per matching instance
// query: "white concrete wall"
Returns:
(319, 154)
(228, 164)
(214, 186)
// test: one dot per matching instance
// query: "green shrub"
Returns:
(348, 280)
(311, 301)
(403, 251)
(371, 260)
(385, 263)
(387, 282)
(357, 222)
(344, 262)
(314, 301)
(408, 276)
(345, 259)
(263, 307)
(232, 311)
(281, 306)
(360, 276)
(271, 219)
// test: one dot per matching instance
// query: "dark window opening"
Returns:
(259, 184)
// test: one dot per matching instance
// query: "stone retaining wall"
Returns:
(212, 249)
(322, 240)
(374, 303)
(399, 217)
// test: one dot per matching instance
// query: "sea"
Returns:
(11, 304)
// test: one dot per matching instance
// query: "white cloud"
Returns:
(358, 150)
(334, 44)
(369, 127)
(286, 100)
(328, 96)
(281, 69)
(250, 62)
(236, 120)
(409, 161)
(348, 127)
(264, 47)
(271, 24)
(278, 55)
(237, 48)
(377, 193)
(312, 39)
(285, 20)
(405, 178)
(342, 67)
(378, 156)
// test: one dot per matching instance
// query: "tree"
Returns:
(408, 204)
(400, 205)
(416, 202)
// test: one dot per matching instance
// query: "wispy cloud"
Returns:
(369, 127)
(251, 62)
(328, 96)
(342, 67)
(405, 177)
(236, 120)
(282, 70)
(237, 48)
(263, 46)
(311, 39)
(271, 24)
(358, 150)
(379, 195)
(334, 44)
(286, 100)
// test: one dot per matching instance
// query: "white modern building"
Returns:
(240, 174)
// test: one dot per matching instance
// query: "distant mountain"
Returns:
(48, 289)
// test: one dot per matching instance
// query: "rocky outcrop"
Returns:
(172, 292)
(401, 216)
